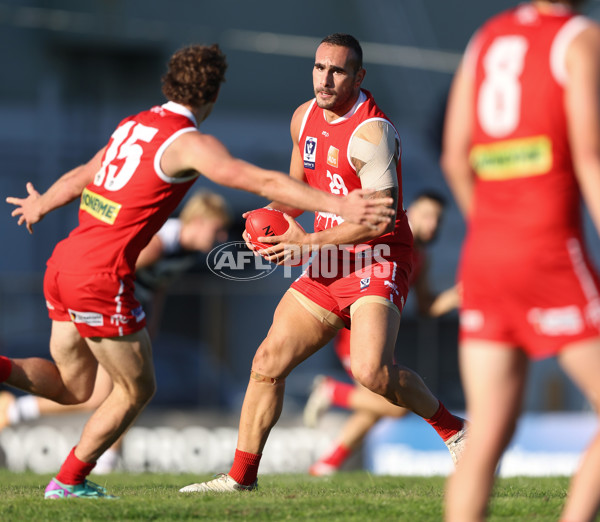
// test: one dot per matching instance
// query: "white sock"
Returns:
(23, 409)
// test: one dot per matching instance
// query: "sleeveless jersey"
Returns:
(327, 165)
(526, 198)
(130, 197)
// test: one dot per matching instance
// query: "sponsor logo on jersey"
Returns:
(332, 156)
(138, 313)
(393, 287)
(100, 207)
(310, 152)
(471, 320)
(566, 320)
(89, 318)
(118, 319)
(511, 159)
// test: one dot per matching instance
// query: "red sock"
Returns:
(445, 423)
(5, 368)
(338, 456)
(74, 471)
(339, 392)
(245, 467)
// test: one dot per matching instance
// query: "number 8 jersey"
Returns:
(526, 194)
(130, 197)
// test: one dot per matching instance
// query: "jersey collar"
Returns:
(362, 97)
(177, 108)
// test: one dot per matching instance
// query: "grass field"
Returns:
(347, 496)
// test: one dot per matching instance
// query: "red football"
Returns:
(264, 222)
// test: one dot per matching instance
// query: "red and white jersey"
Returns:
(526, 198)
(130, 197)
(327, 166)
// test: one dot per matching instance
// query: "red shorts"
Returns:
(335, 286)
(540, 310)
(100, 305)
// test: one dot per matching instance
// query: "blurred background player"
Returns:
(424, 215)
(177, 248)
(174, 249)
(521, 146)
(127, 191)
(341, 141)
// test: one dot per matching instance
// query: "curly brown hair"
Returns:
(194, 75)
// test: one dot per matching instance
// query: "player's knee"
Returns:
(371, 377)
(270, 361)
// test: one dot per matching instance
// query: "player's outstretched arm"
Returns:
(207, 155)
(31, 209)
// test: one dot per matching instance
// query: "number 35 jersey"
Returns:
(130, 197)
(526, 194)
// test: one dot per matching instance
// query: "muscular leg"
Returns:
(102, 388)
(363, 399)
(493, 377)
(581, 362)
(67, 380)
(294, 335)
(128, 362)
(372, 343)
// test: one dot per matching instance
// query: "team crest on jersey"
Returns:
(310, 152)
(365, 282)
(332, 156)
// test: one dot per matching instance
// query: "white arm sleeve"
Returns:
(376, 146)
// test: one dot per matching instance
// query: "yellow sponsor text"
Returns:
(510, 159)
(100, 207)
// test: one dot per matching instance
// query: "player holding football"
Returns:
(521, 144)
(128, 190)
(342, 141)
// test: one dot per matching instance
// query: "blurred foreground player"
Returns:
(521, 145)
(341, 141)
(128, 190)
(424, 215)
(174, 249)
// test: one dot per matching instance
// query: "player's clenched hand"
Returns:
(357, 208)
(28, 209)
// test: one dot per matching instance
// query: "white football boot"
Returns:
(223, 483)
(456, 444)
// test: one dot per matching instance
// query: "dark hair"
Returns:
(431, 195)
(348, 41)
(194, 75)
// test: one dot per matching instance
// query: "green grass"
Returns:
(347, 496)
